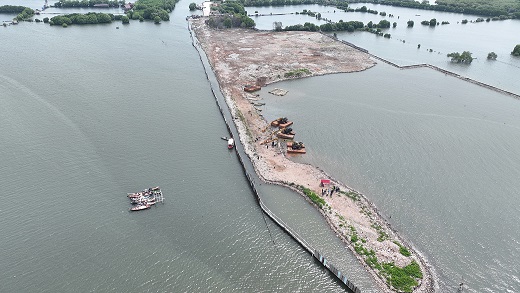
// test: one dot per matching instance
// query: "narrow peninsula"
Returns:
(241, 57)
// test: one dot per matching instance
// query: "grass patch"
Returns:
(402, 279)
(313, 196)
(382, 234)
(365, 211)
(297, 72)
(351, 194)
(403, 250)
(240, 116)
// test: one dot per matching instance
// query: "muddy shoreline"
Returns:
(242, 57)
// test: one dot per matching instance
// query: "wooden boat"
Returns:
(286, 133)
(285, 136)
(283, 125)
(140, 207)
(292, 151)
(251, 88)
(281, 122)
(296, 147)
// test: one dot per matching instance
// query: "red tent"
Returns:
(325, 181)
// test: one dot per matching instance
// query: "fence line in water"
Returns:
(241, 152)
(447, 72)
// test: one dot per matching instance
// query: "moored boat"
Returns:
(251, 88)
(145, 199)
(230, 143)
(140, 207)
(285, 136)
(286, 133)
(281, 122)
(296, 147)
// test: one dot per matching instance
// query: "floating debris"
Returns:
(278, 92)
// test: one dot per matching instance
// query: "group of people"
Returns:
(329, 191)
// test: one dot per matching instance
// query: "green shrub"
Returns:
(402, 279)
(313, 196)
(297, 72)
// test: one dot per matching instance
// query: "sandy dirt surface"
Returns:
(242, 57)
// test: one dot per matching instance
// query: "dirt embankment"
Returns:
(242, 57)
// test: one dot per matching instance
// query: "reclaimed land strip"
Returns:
(242, 57)
(252, 178)
(447, 72)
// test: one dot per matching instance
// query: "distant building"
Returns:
(102, 5)
(128, 6)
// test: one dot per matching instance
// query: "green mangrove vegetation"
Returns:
(78, 18)
(24, 13)
(504, 8)
(232, 14)
(12, 9)
(149, 9)
(492, 56)
(457, 57)
(499, 8)
(87, 3)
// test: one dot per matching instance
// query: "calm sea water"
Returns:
(89, 113)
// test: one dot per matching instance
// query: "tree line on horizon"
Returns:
(504, 8)
(87, 3)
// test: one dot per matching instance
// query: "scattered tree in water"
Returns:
(157, 19)
(383, 24)
(193, 6)
(492, 56)
(465, 57)
(410, 23)
(516, 50)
